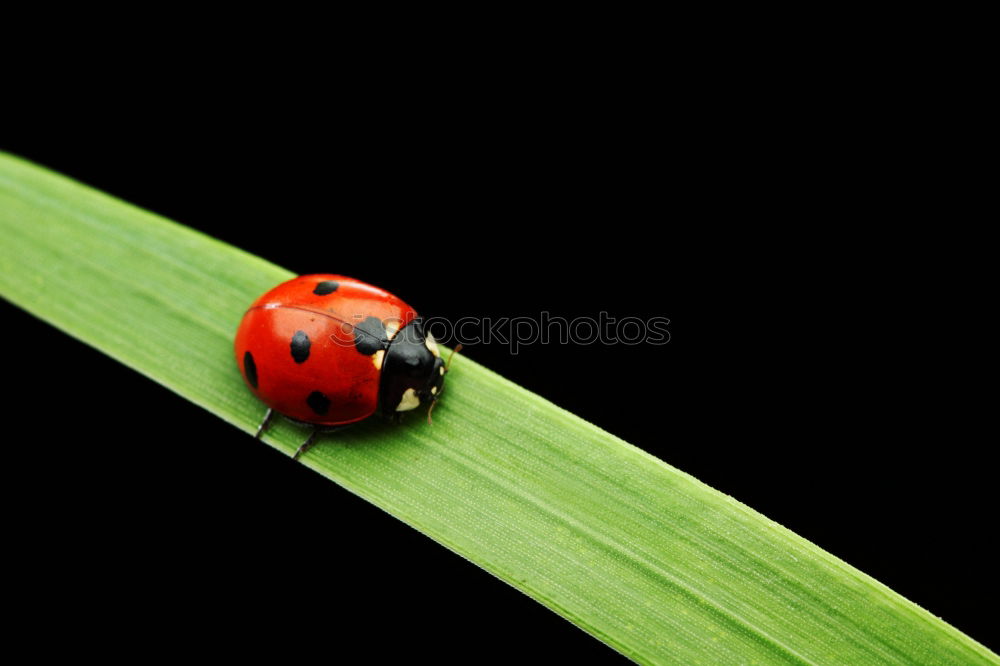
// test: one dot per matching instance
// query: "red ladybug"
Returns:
(330, 350)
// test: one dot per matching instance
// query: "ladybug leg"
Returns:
(306, 445)
(263, 424)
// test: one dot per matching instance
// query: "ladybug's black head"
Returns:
(412, 371)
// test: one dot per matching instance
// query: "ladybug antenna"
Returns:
(454, 351)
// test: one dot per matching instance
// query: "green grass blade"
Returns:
(644, 557)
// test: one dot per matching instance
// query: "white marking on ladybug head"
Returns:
(442, 370)
(391, 328)
(409, 401)
(434, 390)
(377, 358)
(432, 345)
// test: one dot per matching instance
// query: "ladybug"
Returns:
(329, 351)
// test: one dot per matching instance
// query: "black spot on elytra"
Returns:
(319, 402)
(250, 369)
(300, 346)
(370, 336)
(326, 287)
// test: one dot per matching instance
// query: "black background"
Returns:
(807, 374)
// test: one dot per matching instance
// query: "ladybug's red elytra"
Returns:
(329, 350)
